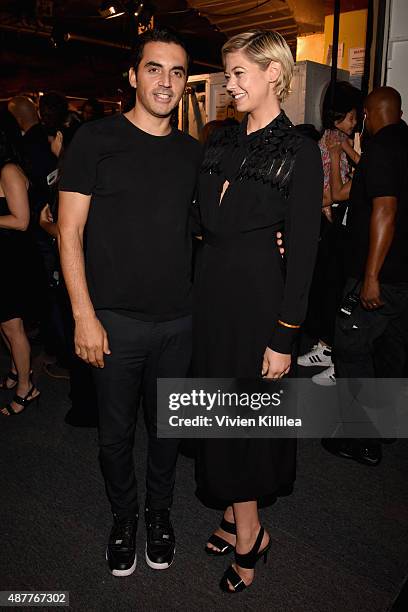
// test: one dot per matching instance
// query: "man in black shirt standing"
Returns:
(130, 179)
(378, 254)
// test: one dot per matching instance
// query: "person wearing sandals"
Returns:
(256, 179)
(14, 249)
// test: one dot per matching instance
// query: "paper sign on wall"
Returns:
(356, 61)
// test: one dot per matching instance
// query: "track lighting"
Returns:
(141, 10)
(111, 9)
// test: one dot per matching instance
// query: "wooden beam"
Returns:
(214, 19)
(249, 23)
(284, 31)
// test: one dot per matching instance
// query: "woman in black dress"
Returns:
(16, 282)
(257, 178)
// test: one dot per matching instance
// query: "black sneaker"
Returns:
(121, 551)
(160, 542)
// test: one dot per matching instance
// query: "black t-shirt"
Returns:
(138, 240)
(39, 162)
(382, 171)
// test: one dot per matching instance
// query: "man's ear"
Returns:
(274, 69)
(132, 78)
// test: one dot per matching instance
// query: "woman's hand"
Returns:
(46, 216)
(275, 365)
(47, 222)
(327, 205)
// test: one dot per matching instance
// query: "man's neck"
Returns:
(385, 123)
(156, 126)
(28, 125)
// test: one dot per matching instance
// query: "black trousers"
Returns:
(141, 352)
(356, 337)
(329, 278)
(360, 340)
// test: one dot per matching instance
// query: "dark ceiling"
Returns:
(66, 45)
(76, 51)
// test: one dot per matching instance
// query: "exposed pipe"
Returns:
(97, 41)
(368, 44)
(69, 36)
(335, 51)
(26, 30)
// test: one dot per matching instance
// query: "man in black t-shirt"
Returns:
(130, 179)
(378, 256)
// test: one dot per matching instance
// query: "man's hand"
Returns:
(370, 295)
(91, 341)
(275, 365)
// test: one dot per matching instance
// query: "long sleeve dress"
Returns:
(248, 297)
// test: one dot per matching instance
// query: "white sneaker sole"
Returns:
(324, 382)
(158, 566)
(122, 573)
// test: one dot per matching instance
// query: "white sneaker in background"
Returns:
(325, 378)
(319, 355)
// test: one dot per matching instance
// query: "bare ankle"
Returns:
(229, 515)
(248, 533)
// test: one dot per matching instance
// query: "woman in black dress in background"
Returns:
(257, 178)
(17, 286)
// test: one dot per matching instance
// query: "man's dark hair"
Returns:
(53, 109)
(163, 35)
(97, 107)
(346, 98)
(67, 128)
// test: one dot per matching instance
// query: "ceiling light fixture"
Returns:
(111, 9)
(139, 9)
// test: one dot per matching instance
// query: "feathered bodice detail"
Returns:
(268, 156)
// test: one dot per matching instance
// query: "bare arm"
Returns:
(350, 152)
(382, 228)
(327, 204)
(14, 186)
(340, 191)
(90, 337)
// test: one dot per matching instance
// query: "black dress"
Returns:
(243, 287)
(16, 256)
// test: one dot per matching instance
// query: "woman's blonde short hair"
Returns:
(264, 47)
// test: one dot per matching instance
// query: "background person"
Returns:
(92, 109)
(17, 287)
(329, 277)
(377, 252)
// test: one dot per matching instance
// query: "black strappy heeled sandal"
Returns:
(246, 561)
(224, 547)
(22, 401)
(9, 376)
